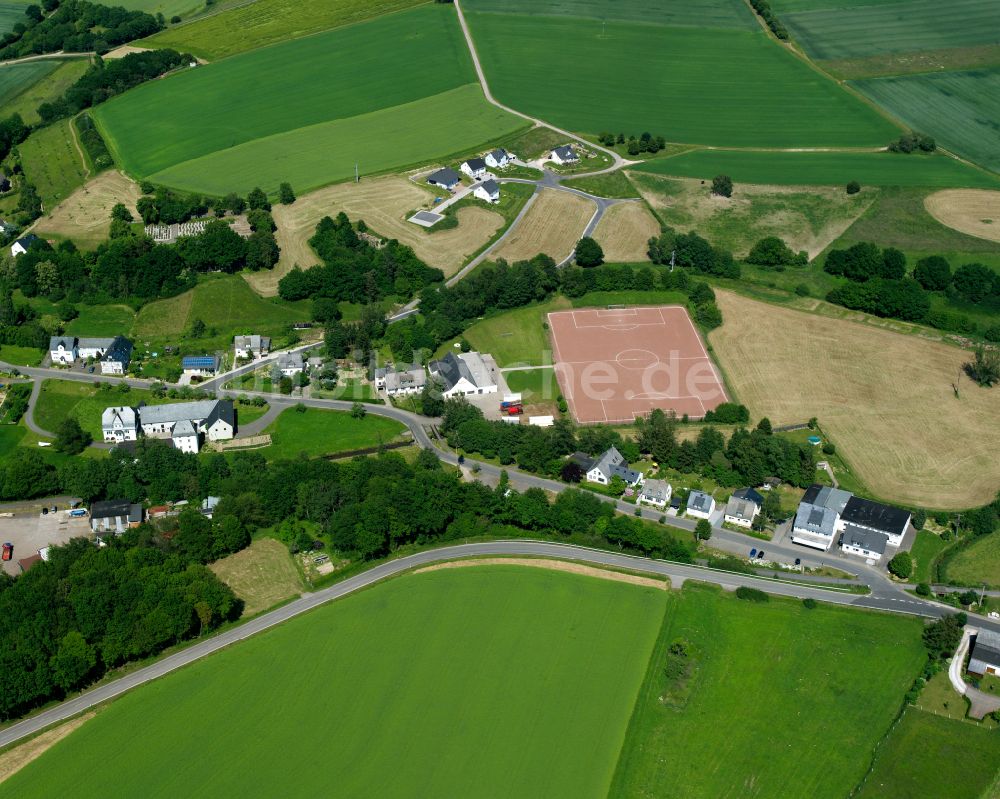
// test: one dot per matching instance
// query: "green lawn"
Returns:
(892, 27)
(611, 184)
(315, 433)
(17, 78)
(226, 304)
(248, 413)
(20, 356)
(215, 129)
(696, 85)
(928, 755)
(11, 436)
(960, 109)
(977, 563)
(101, 320)
(514, 338)
(85, 403)
(775, 707)
(483, 681)
(52, 163)
(535, 385)
(60, 75)
(264, 22)
(823, 169)
(925, 549)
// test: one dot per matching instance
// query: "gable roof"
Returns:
(741, 508)
(175, 411)
(835, 499)
(183, 428)
(290, 359)
(67, 342)
(656, 489)
(452, 368)
(987, 648)
(565, 153)
(27, 241)
(224, 411)
(866, 513)
(200, 362)
(251, 342)
(815, 519)
(498, 154)
(121, 413)
(446, 176)
(699, 500)
(864, 539)
(583, 460)
(120, 351)
(751, 494)
(475, 164)
(111, 508)
(95, 343)
(490, 186)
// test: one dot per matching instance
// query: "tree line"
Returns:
(74, 26)
(644, 143)
(355, 271)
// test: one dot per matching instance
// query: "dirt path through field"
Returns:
(17, 758)
(555, 565)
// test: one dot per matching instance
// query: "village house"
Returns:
(114, 516)
(818, 516)
(119, 424)
(488, 190)
(464, 374)
(609, 465)
(475, 168)
(200, 365)
(113, 354)
(700, 505)
(564, 155)
(866, 528)
(63, 350)
(656, 493)
(866, 543)
(400, 382)
(497, 159)
(741, 511)
(290, 363)
(252, 346)
(985, 657)
(446, 178)
(183, 423)
(20, 247)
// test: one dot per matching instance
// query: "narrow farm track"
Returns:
(676, 573)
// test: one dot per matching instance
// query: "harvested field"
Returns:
(885, 399)
(806, 218)
(556, 565)
(124, 50)
(384, 204)
(262, 575)
(13, 760)
(625, 230)
(972, 211)
(553, 225)
(85, 216)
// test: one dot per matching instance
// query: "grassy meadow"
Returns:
(265, 22)
(925, 549)
(535, 385)
(52, 163)
(823, 168)
(315, 433)
(378, 682)
(931, 755)
(977, 563)
(773, 700)
(960, 109)
(691, 84)
(57, 78)
(697, 13)
(17, 78)
(262, 575)
(85, 403)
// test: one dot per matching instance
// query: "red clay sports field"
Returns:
(618, 363)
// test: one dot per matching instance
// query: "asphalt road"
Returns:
(678, 573)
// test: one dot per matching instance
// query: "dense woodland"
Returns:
(74, 26)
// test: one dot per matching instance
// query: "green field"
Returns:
(82, 401)
(264, 22)
(225, 303)
(52, 163)
(217, 128)
(900, 27)
(10, 14)
(694, 13)
(50, 87)
(777, 705)
(823, 169)
(535, 385)
(977, 563)
(928, 755)
(485, 681)
(710, 86)
(925, 549)
(17, 78)
(102, 320)
(960, 109)
(514, 338)
(315, 433)
(168, 8)
(21, 356)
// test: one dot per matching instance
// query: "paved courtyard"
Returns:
(30, 533)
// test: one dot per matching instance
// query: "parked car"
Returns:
(753, 552)
(8, 551)
(798, 561)
(760, 555)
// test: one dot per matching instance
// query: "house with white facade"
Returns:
(612, 464)
(20, 247)
(63, 350)
(817, 520)
(985, 657)
(290, 363)
(113, 354)
(700, 505)
(119, 424)
(400, 382)
(185, 436)
(116, 358)
(475, 168)
(564, 155)
(488, 190)
(252, 346)
(497, 159)
(114, 516)
(865, 543)
(465, 374)
(741, 512)
(200, 365)
(875, 517)
(656, 493)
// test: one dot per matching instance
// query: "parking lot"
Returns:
(31, 532)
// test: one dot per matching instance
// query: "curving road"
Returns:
(677, 573)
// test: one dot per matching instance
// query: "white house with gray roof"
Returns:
(612, 464)
(464, 374)
(565, 155)
(985, 658)
(817, 520)
(488, 190)
(114, 354)
(183, 423)
(865, 543)
(119, 424)
(400, 382)
(253, 346)
(497, 159)
(741, 511)
(475, 168)
(700, 505)
(656, 493)
(290, 363)
(63, 350)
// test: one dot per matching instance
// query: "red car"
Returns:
(8, 551)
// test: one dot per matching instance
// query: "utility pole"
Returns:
(357, 176)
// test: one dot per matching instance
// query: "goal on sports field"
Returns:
(617, 307)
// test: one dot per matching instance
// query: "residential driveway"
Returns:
(980, 702)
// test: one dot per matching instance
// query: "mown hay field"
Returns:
(383, 204)
(967, 210)
(624, 232)
(822, 168)
(806, 217)
(588, 75)
(264, 22)
(53, 163)
(460, 682)
(553, 225)
(262, 575)
(85, 216)
(960, 109)
(884, 398)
